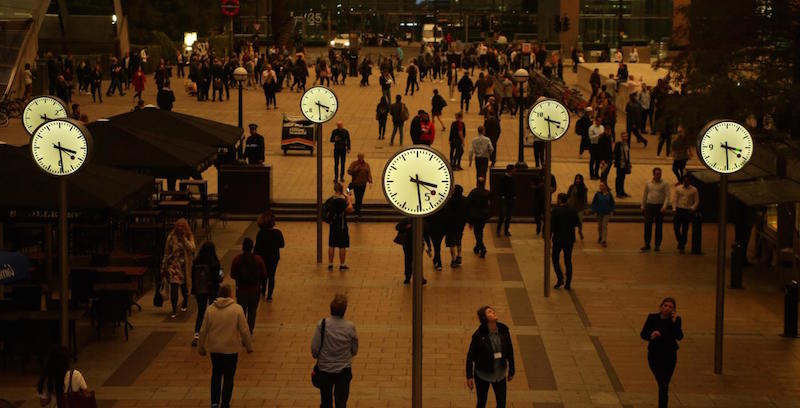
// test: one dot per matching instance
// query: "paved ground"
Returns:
(294, 176)
(573, 349)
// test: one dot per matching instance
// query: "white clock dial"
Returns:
(725, 146)
(417, 181)
(60, 147)
(40, 109)
(319, 104)
(548, 120)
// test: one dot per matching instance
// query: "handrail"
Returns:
(22, 48)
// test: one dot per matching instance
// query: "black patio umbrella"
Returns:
(94, 187)
(180, 126)
(148, 151)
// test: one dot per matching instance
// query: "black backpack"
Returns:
(328, 213)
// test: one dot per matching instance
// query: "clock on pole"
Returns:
(60, 147)
(41, 109)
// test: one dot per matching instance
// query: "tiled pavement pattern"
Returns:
(294, 175)
(577, 349)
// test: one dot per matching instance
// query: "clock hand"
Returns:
(425, 183)
(557, 123)
(327, 109)
(419, 194)
(45, 117)
(727, 153)
(65, 149)
(548, 130)
(60, 157)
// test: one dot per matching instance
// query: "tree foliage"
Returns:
(742, 61)
(173, 17)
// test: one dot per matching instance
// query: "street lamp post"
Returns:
(520, 77)
(240, 74)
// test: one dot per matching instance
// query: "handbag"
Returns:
(315, 380)
(77, 399)
(163, 289)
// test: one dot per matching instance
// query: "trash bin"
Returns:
(697, 233)
(790, 310)
(737, 264)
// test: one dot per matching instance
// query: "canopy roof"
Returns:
(179, 126)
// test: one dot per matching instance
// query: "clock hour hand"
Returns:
(557, 123)
(64, 149)
(327, 109)
(45, 117)
(424, 183)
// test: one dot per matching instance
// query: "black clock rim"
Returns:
(89, 145)
(300, 103)
(566, 129)
(702, 133)
(449, 170)
(57, 99)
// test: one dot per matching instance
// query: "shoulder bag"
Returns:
(77, 399)
(315, 380)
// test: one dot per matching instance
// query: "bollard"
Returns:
(737, 264)
(697, 233)
(790, 310)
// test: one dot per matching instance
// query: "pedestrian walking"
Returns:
(595, 131)
(684, 204)
(382, 115)
(481, 149)
(563, 221)
(452, 80)
(248, 270)
(507, 194)
(577, 198)
(138, 81)
(437, 105)
(633, 119)
(361, 175)
(479, 203)
(269, 82)
(491, 126)
(466, 87)
(340, 138)
(655, 199)
(411, 78)
(269, 242)
(57, 379)
(605, 153)
(116, 73)
(427, 130)
(386, 82)
(334, 345)
(405, 238)
(206, 278)
(456, 211)
(662, 331)
(681, 151)
(400, 115)
(96, 84)
(336, 209)
(176, 265)
(622, 162)
(222, 335)
(490, 358)
(603, 206)
(457, 140)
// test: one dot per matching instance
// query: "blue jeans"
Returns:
(395, 127)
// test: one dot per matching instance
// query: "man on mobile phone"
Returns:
(360, 172)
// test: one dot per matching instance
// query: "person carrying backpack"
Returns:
(206, 278)
(248, 270)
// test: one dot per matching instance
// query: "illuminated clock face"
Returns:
(319, 104)
(548, 120)
(60, 147)
(41, 109)
(417, 181)
(725, 146)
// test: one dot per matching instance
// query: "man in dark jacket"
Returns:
(399, 114)
(633, 122)
(165, 97)
(457, 139)
(582, 129)
(416, 127)
(479, 199)
(465, 86)
(505, 190)
(254, 146)
(492, 127)
(563, 221)
(340, 138)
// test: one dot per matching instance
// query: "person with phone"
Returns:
(662, 331)
(336, 209)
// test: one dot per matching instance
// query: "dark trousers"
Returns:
(436, 241)
(249, 302)
(397, 127)
(652, 213)
(504, 217)
(202, 303)
(477, 228)
(223, 368)
(465, 102)
(662, 365)
(214, 92)
(481, 166)
(359, 193)
(270, 97)
(664, 139)
(679, 168)
(567, 248)
(268, 284)
(506, 102)
(412, 83)
(381, 128)
(482, 391)
(408, 259)
(456, 151)
(538, 152)
(97, 93)
(594, 162)
(339, 157)
(181, 72)
(634, 130)
(335, 387)
(619, 183)
(115, 84)
(173, 295)
(681, 220)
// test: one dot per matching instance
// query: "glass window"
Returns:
(643, 21)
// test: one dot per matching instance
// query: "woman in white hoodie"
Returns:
(223, 333)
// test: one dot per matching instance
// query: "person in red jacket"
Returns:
(138, 82)
(428, 130)
(248, 270)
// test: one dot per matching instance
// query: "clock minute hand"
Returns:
(424, 183)
(327, 109)
(60, 156)
(557, 123)
(64, 149)
(419, 194)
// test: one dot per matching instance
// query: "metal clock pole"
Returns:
(318, 132)
(63, 253)
(721, 238)
(547, 207)
(416, 343)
